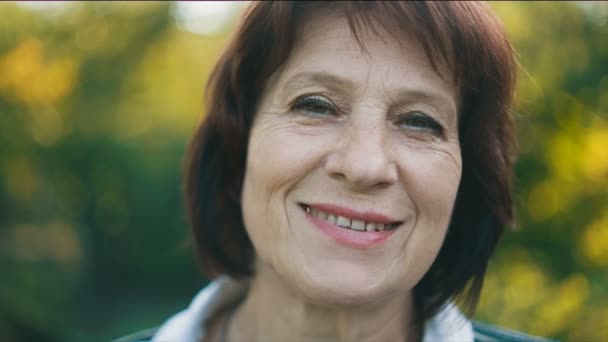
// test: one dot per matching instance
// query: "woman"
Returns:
(352, 175)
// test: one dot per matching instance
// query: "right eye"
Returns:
(314, 106)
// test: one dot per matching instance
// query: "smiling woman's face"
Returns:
(366, 141)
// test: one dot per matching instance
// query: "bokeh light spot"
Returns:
(544, 201)
(593, 243)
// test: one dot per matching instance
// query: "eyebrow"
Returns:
(333, 82)
(437, 100)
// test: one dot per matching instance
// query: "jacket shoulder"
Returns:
(484, 332)
(139, 336)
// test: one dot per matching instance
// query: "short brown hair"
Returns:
(465, 35)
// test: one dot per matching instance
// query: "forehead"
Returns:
(326, 45)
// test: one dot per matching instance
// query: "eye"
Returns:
(420, 121)
(314, 106)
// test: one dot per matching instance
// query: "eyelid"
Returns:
(303, 104)
(438, 129)
(429, 108)
(320, 96)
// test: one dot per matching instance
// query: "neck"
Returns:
(274, 312)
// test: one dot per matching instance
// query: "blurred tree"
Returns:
(92, 214)
(548, 275)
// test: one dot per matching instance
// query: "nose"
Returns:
(362, 158)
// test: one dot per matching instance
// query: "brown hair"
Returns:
(465, 35)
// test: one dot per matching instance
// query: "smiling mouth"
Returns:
(349, 222)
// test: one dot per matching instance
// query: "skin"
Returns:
(375, 147)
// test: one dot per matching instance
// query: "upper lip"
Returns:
(367, 216)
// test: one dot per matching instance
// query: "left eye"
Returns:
(314, 106)
(420, 121)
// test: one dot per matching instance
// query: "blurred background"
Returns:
(98, 101)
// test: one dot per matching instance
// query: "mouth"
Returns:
(360, 230)
(351, 221)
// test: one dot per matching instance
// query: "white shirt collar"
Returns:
(188, 325)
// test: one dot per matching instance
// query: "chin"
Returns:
(341, 284)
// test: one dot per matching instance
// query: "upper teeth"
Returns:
(345, 222)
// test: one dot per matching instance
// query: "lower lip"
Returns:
(350, 237)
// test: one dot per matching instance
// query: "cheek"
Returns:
(275, 161)
(281, 154)
(278, 160)
(260, 222)
(261, 189)
(434, 182)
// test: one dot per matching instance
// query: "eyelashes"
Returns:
(319, 107)
(314, 106)
(420, 121)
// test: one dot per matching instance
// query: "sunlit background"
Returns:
(97, 103)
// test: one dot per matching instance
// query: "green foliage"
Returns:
(97, 103)
(547, 276)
